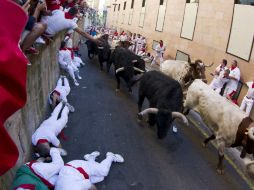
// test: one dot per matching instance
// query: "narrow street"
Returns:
(106, 121)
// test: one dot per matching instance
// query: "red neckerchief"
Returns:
(253, 85)
(26, 186)
(232, 68)
(161, 45)
(64, 49)
(68, 15)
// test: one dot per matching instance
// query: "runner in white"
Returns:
(82, 175)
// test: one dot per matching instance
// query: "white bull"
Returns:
(183, 71)
(220, 115)
(176, 69)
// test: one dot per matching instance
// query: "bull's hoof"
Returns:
(220, 171)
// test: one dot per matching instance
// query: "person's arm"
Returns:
(40, 7)
(84, 34)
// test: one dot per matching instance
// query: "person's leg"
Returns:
(71, 72)
(62, 121)
(161, 59)
(154, 60)
(67, 86)
(37, 31)
(100, 170)
(59, 82)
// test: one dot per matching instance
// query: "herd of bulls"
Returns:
(166, 90)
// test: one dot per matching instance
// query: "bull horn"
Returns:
(119, 70)
(180, 116)
(149, 110)
(134, 61)
(100, 47)
(248, 161)
(139, 70)
(251, 133)
(209, 65)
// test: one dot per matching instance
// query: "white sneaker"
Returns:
(174, 129)
(116, 157)
(76, 83)
(40, 40)
(92, 156)
(70, 107)
(79, 77)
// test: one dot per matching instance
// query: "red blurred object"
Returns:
(13, 64)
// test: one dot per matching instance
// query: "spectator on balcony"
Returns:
(248, 99)
(66, 63)
(60, 21)
(34, 29)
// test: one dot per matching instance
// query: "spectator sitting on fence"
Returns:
(66, 63)
(37, 175)
(60, 21)
(60, 93)
(69, 44)
(218, 82)
(248, 99)
(46, 135)
(34, 29)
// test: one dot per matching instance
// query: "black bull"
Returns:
(127, 65)
(102, 50)
(165, 97)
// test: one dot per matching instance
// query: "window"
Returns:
(161, 15)
(189, 19)
(119, 6)
(155, 43)
(124, 5)
(132, 4)
(182, 56)
(192, 1)
(143, 3)
(245, 2)
(114, 8)
(142, 17)
(241, 35)
(130, 17)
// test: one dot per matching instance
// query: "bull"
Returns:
(166, 101)
(185, 73)
(127, 65)
(103, 50)
(230, 126)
